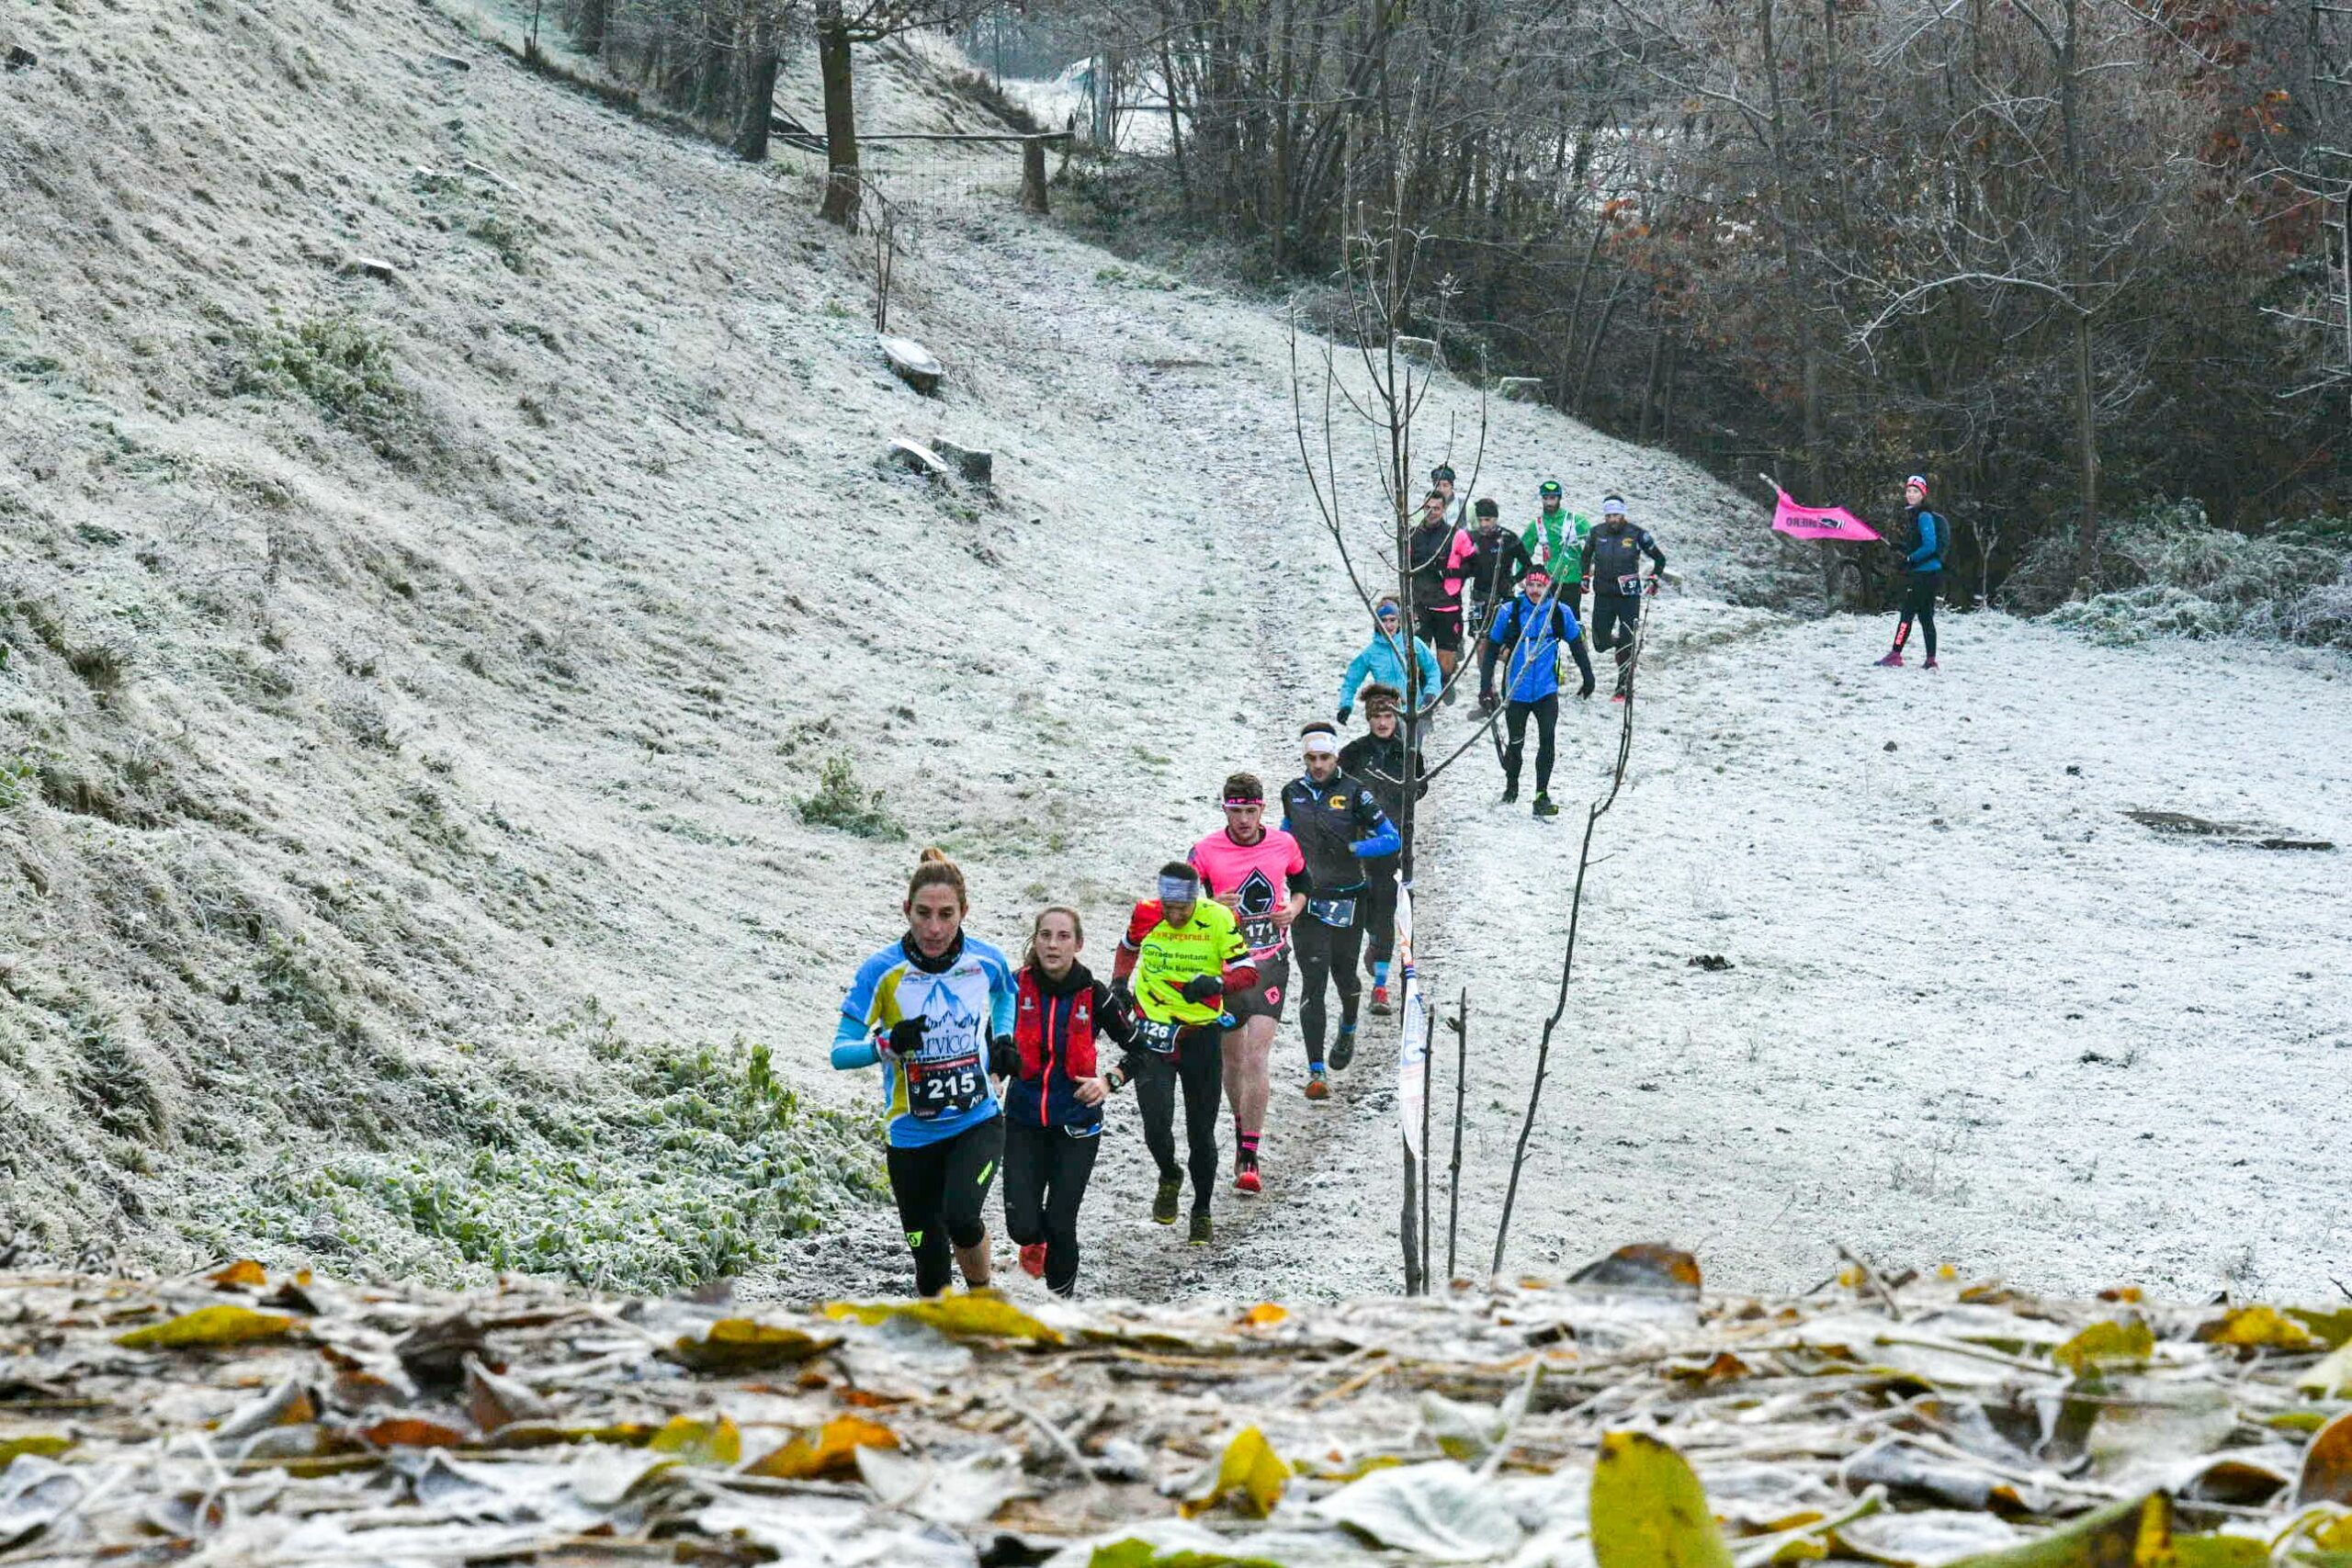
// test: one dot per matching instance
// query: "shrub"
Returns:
(842, 802)
(2168, 573)
(340, 368)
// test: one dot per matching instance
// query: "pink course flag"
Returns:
(1819, 521)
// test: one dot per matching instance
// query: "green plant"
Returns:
(842, 802)
(340, 368)
(511, 241)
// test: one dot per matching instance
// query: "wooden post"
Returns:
(1032, 174)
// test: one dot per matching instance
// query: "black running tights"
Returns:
(1547, 714)
(1327, 953)
(1046, 1173)
(1920, 601)
(1199, 1066)
(941, 1188)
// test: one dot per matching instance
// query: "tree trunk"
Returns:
(1033, 176)
(842, 195)
(595, 19)
(2078, 281)
(759, 93)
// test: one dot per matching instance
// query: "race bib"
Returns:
(945, 1086)
(1337, 913)
(1158, 1038)
(1261, 932)
(1630, 586)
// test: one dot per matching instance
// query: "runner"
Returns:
(1339, 826)
(1259, 873)
(1378, 758)
(1456, 506)
(1925, 556)
(1556, 539)
(1184, 958)
(1383, 660)
(1533, 627)
(1612, 564)
(1497, 561)
(934, 1009)
(1437, 553)
(1053, 1102)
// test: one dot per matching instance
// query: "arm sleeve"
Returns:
(852, 1047)
(1383, 839)
(1111, 1018)
(1431, 676)
(1352, 681)
(1302, 882)
(1655, 554)
(1003, 1002)
(1584, 557)
(1240, 976)
(1576, 648)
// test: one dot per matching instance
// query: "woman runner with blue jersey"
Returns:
(934, 1011)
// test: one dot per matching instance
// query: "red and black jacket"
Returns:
(1055, 1026)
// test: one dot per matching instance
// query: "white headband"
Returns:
(1319, 743)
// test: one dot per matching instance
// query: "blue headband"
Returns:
(1179, 890)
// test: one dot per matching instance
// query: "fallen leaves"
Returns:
(828, 1453)
(209, 1328)
(2327, 1466)
(2106, 1345)
(978, 1314)
(1648, 1510)
(2256, 1328)
(743, 1345)
(1250, 1478)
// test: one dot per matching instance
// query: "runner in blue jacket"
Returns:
(1533, 627)
(1930, 538)
(1381, 663)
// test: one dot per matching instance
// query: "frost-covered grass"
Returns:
(675, 1167)
(2169, 572)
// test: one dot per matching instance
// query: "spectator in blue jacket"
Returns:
(1532, 630)
(1923, 554)
(1381, 663)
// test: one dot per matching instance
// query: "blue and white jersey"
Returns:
(944, 1088)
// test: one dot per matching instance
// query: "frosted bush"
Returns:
(2168, 573)
(2138, 614)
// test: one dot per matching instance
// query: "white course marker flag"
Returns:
(1413, 1037)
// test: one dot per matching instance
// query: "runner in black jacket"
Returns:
(1338, 824)
(1500, 558)
(1612, 565)
(1378, 760)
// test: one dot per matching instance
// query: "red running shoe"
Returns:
(1245, 1179)
(1033, 1260)
(1894, 659)
(1931, 662)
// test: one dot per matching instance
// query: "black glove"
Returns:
(1344, 712)
(905, 1038)
(1004, 1057)
(1203, 987)
(1585, 690)
(1487, 701)
(1125, 995)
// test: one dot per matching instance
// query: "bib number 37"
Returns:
(947, 1086)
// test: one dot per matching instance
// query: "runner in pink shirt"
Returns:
(1257, 873)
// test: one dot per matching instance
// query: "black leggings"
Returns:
(1326, 951)
(1614, 618)
(1046, 1173)
(941, 1188)
(1376, 914)
(1547, 714)
(1919, 600)
(1200, 1064)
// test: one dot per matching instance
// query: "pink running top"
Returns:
(1259, 873)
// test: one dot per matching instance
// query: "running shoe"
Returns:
(1033, 1260)
(1616, 696)
(1894, 659)
(1344, 1049)
(1380, 1001)
(1511, 793)
(1163, 1203)
(1202, 1233)
(1319, 1084)
(1245, 1181)
(1543, 807)
(1931, 662)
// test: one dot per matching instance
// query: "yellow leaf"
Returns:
(1648, 1509)
(2332, 1329)
(208, 1328)
(1265, 1315)
(2137, 1534)
(2256, 1327)
(2106, 1344)
(744, 1344)
(243, 1272)
(2221, 1551)
(2331, 1378)
(830, 1451)
(700, 1442)
(1251, 1476)
(38, 1444)
(976, 1315)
